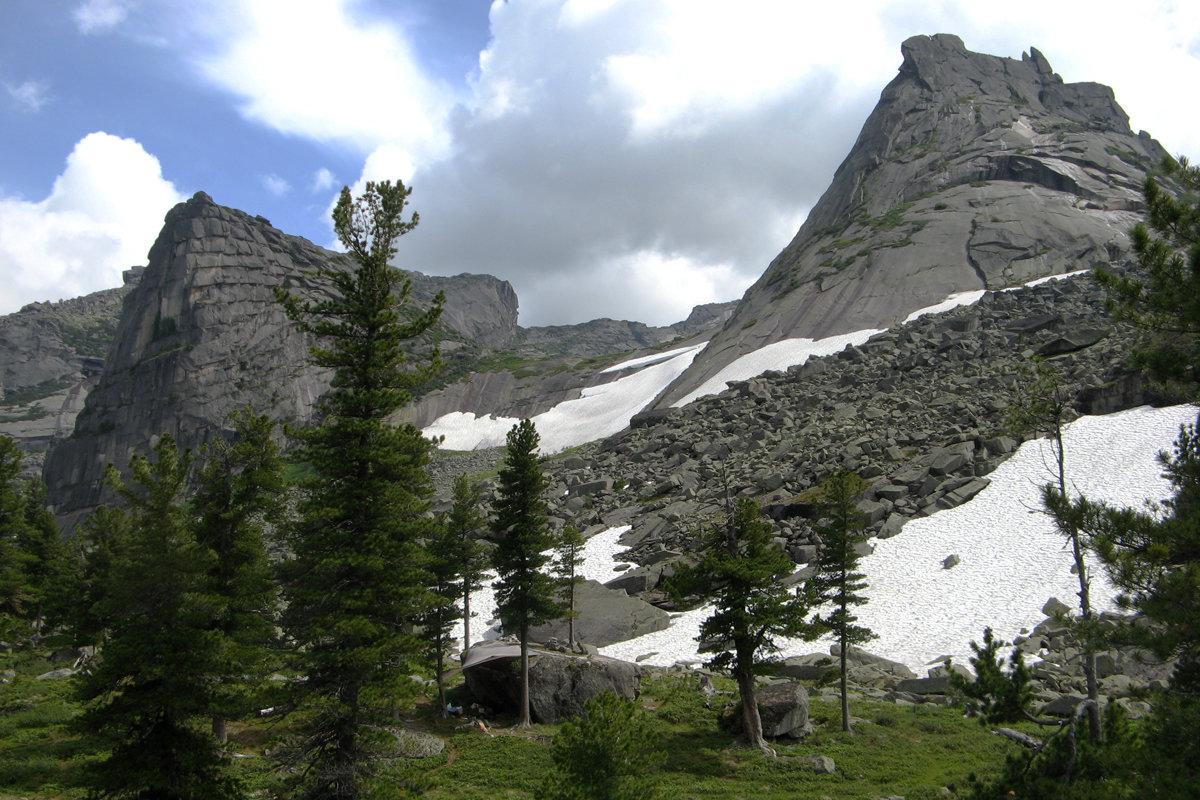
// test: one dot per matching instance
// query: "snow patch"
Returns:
(779, 355)
(600, 411)
(1012, 558)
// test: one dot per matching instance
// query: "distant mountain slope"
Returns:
(973, 172)
(202, 334)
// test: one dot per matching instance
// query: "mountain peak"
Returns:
(972, 172)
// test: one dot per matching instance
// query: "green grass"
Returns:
(902, 750)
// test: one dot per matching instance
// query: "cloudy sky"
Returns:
(620, 158)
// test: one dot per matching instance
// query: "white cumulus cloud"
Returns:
(324, 73)
(100, 218)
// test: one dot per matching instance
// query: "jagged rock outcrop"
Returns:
(973, 172)
(202, 335)
(51, 355)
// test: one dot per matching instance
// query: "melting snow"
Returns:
(599, 412)
(1012, 560)
(953, 301)
(779, 355)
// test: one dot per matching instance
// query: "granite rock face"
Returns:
(201, 334)
(51, 355)
(973, 172)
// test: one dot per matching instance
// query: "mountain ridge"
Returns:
(972, 172)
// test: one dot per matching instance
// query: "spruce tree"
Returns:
(158, 665)
(445, 585)
(465, 524)
(356, 582)
(525, 594)
(239, 496)
(16, 593)
(837, 583)
(741, 569)
(568, 560)
(611, 753)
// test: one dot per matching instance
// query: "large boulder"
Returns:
(783, 708)
(559, 684)
(605, 616)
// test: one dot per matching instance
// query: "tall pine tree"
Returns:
(158, 667)
(837, 583)
(240, 495)
(356, 583)
(465, 525)
(525, 594)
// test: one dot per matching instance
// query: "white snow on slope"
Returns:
(599, 412)
(779, 355)
(953, 301)
(653, 358)
(1012, 559)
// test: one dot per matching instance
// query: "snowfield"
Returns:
(1012, 559)
(600, 411)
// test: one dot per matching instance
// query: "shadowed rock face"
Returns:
(202, 335)
(972, 172)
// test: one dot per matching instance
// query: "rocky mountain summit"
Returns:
(201, 335)
(973, 172)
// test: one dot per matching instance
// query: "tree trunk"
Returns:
(524, 721)
(845, 694)
(441, 683)
(219, 731)
(466, 619)
(1095, 722)
(751, 720)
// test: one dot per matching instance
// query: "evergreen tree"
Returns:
(101, 544)
(1043, 407)
(157, 669)
(837, 583)
(356, 583)
(566, 567)
(610, 753)
(1165, 299)
(741, 570)
(465, 524)
(47, 559)
(524, 592)
(240, 494)
(16, 594)
(445, 584)
(33, 558)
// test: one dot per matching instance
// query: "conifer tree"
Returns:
(47, 559)
(16, 594)
(837, 582)
(566, 567)
(357, 583)
(445, 584)
(239, 495)
(156, 672)
(1164, 300)
(524, 592)
(33, 558)
(1043, 407)
(741, 570)
(611, 753)
(464, 525)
